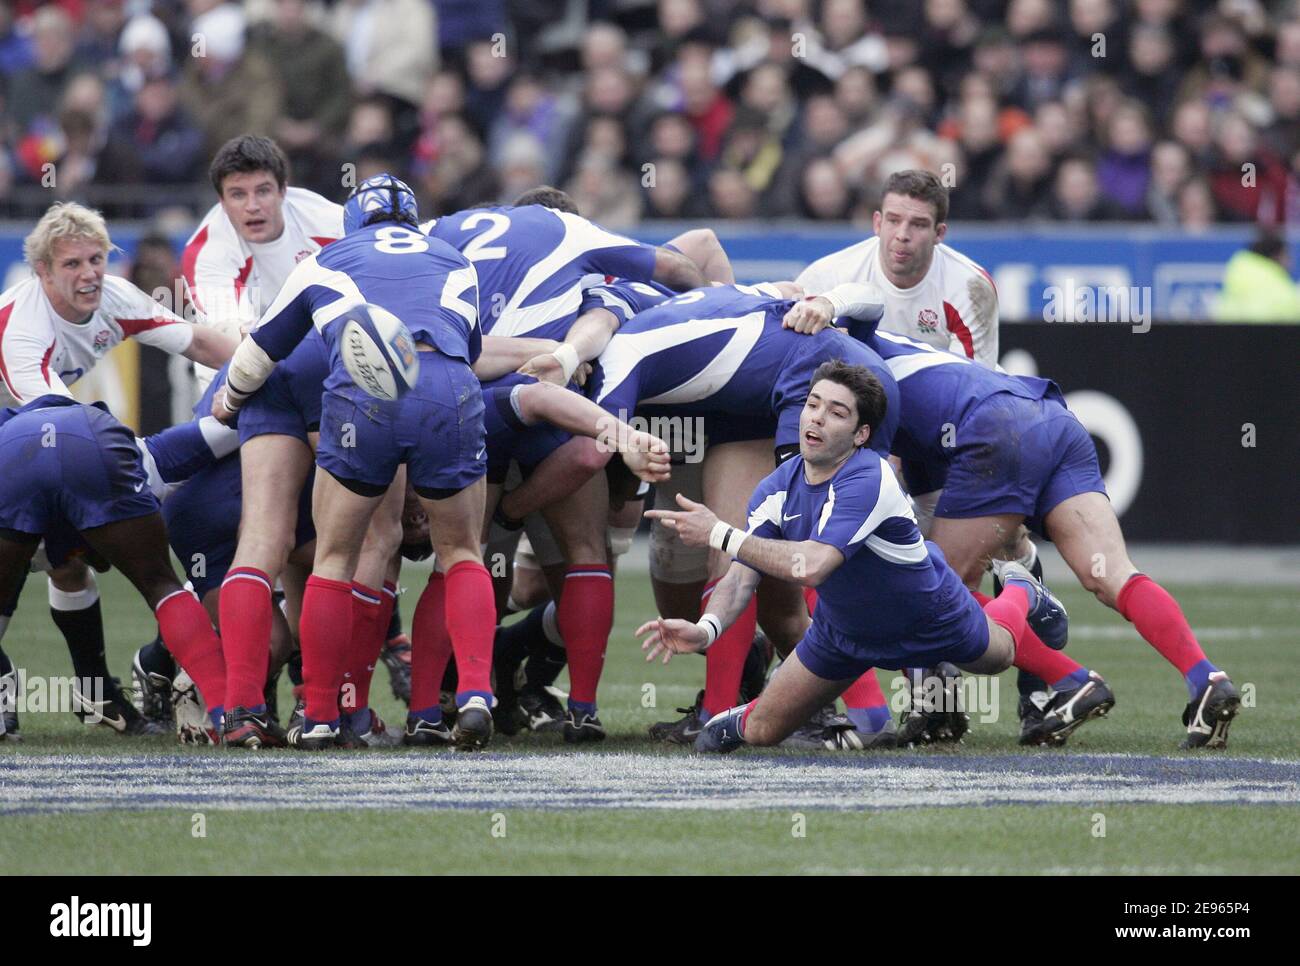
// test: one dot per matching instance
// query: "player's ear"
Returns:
(875, 221)
(862, 435)
(940, 230)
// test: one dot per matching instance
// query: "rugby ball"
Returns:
(378, 352)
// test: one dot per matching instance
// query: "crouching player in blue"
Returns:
(998, 450)
(71, 472)
(836, 518)
(384, 264)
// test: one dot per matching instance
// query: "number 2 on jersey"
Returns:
(479, 248)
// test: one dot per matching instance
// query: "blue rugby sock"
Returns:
(359, 721)
(869, 720)
(1075, 679)
(463, 697)
(1197, 677)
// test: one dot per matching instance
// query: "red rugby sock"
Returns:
(1008, 610)
(725, 659)
(245, 615)
(430, 645)
(1160, 621)
(585, 615)
(471, 621)
(371, 611)
(865, 693)
(187, 632)
(324, 631)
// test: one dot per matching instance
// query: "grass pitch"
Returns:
(1120, 799)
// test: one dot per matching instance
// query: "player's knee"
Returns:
(620, 540)
(71, 577)
(1100, 585)
(760, 731)
(266, 548)
(672, 562)
(588, 455)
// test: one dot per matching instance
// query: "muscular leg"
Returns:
(792, 696)
(731, 472)
(586, 603)
(373, 600)
(678, 573)
(76, 611)
(138, 548)
(273, 470)
(782, 613)
(454, 526)
(969, 544)
(16, 552)
(342, 518)
(1000, 654)
(1087, 533)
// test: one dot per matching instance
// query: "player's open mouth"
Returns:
(88, 290)
(811, 438)
(255, 224)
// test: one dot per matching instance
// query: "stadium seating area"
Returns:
(1084, 111)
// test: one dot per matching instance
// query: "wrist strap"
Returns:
(726, 538)
(711, 627)
(567, 356)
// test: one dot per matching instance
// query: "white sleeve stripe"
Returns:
(897, 553)
(890, 502)
(769, 511)
(610, 299)
(903, 366)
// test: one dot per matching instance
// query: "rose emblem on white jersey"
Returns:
(928, 320)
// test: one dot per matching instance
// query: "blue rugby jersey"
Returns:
(534, 264)
(723, 350)
(889, 584)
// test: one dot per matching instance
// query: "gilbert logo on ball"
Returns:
(378, 352)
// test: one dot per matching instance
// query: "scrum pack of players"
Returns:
(865, 464)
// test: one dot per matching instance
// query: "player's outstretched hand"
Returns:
(647, 456)
(809, 316)
(669, 637)
(693, 523)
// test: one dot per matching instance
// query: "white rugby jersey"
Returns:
(41, 352)
(955, 307)
(232, 281)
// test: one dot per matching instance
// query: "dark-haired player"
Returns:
(997, 451)
(726, 357)
(835, 518)
(260, 228)
(435, 432)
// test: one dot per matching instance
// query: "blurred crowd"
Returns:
(1175, 112)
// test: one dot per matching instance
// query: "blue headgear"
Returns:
(380, 198)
